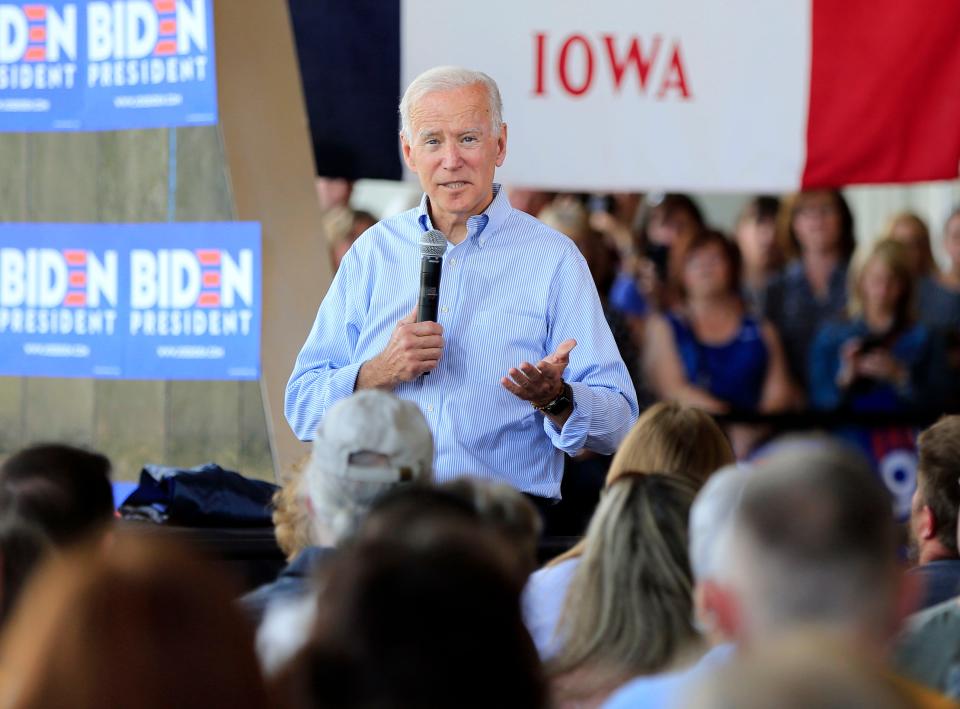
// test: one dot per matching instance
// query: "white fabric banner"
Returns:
(687, 95)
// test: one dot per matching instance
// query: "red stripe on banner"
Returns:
(209, 300)
(35, 54)
(75, 300)
(35, 13)
(165, 47)
(75, 257)
(165, 6)
(884, 92)
(211, 279)
(208, 257)
(168, 27)
(78, 279)
(38, 34)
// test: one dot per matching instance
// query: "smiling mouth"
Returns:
(454, 185)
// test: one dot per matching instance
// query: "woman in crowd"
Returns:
(763, 258)
(939, 294)
(709, 352)
(818, 226)
(129, 622)
(659, 440)
(911, 231)
(881, 358)
(629, 610)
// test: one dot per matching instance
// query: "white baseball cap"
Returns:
(374, 436)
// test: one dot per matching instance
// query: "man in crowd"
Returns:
(933, 512)
(520, 366)
(368, 444)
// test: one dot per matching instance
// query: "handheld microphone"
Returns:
(433, 245)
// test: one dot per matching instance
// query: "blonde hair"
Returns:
(291, 518)
(892, 255)
(629, 608)
(671, 438)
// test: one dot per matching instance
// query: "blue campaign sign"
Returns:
(96, 65)
(130, 301)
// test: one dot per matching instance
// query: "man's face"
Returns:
(454, 152)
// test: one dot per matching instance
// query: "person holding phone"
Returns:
(881, 359)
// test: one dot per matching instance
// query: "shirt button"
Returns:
(453, 262)
(444, 309)
(430, 408)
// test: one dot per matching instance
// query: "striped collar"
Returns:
(480, 227)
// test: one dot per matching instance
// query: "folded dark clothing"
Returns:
(204, 496)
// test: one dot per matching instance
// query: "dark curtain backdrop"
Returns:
(349, 53)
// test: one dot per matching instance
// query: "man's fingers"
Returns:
(510, 386)
(410, 318)
(564, 349)
(433, 353)
(531, 372)
(425, 329)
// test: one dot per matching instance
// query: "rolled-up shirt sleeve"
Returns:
(605, 402)
(325, 370)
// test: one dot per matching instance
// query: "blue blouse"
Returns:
(734, 371)
(912, 348)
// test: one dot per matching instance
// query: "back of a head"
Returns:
(629, 608)
(64, 491)
(426, 625)
(22, 549)
(508, 513)
(711, 520)
(814, 541)
(675, 439)
(809, 669)
(938, 472)
(130, 620)
(366, 445)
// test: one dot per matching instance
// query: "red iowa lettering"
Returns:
(578, 63)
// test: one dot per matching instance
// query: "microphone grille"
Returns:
(433, 243)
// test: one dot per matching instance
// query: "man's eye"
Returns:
(470, 139)
(431, 141)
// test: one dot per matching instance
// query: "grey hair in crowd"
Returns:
(449, 78)
(711, 520)
(814, 541)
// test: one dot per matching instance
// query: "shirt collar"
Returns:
(480, 227)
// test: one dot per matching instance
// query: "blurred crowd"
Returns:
(699, 583)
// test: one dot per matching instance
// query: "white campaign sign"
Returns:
(613, 95)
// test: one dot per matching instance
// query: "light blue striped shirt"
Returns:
(510, 292)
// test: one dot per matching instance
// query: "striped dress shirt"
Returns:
(510, 292)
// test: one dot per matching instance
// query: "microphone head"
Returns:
(433, 243)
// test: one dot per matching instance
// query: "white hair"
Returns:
(711, 520)
(449, 78)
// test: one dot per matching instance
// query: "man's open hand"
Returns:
(542, 383)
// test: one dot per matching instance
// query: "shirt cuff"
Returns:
(572, 438)
(342, 383)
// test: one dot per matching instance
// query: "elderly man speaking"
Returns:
(520, 366)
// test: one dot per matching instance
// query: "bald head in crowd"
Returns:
(813, 543)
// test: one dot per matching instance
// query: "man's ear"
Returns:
(720, 606)
(407, 151)
(502, 145)
(926, 523)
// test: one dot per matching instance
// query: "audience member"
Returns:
(22, 548)
(939, 295)
(64, 491)
(912, 233)
(424, 624)
(343, 226)
(933, 512)
(763, 257)
(711, 517)
(333, 191)
(530, 201)
(365, 445)
(291, 515)
(129, 623)
(506, 513)
(629, 609)
(668, 220)
(818, 226)
(881, 359)
(709, 352)
(660, 440)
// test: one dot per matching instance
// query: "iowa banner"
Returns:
(684, 94)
